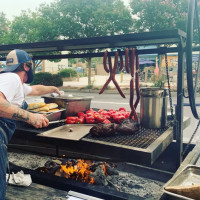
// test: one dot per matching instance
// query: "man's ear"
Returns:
(26, 68)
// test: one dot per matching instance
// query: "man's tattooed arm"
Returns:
(7, 110)
(10, 111)
(21, 115)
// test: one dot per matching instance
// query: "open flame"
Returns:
(79, 171)
(92, 172)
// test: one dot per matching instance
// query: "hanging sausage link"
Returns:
(127, 60)
(137, 87)
(112, 75)
(132, 62)
(121, 63)
(104, 62)
(133, 110)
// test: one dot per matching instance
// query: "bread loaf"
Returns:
(52, 105)
(43, 108)
(191, 191)
(32, 106)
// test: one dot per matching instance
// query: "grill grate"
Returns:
(141, 139)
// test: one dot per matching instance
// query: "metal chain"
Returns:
(188, 144)
(169, 88)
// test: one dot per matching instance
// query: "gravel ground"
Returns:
(124, 182)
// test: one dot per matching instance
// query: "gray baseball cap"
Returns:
(14, 59)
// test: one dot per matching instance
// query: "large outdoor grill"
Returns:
(144, 146)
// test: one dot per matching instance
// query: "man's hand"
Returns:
(56, 90)
(38, 120)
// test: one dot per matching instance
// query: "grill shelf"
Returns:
(144, 147)
(141, 139)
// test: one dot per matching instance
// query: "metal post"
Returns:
(179, 113)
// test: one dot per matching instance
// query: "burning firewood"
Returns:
(80, 170)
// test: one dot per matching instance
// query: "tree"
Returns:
(91, 18)
(31, 27)
(4, 24)
(154, 15)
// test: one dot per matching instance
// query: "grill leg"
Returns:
(179, 113)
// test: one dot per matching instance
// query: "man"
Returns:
(13, 90)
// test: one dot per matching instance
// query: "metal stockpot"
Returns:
(153, 107)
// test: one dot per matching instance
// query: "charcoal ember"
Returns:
(95, 165)
(68, 162)
(111, 171)
(103, 129)
(50, 167)
(128, 126)
(99, 176)
(50, 164)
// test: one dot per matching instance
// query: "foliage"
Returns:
(64, 73)
(154, 15)
(31, 27)
(56, 80)
(92, 18)
(76, 60)
(46, 78)
(159, 81)
(4, 24)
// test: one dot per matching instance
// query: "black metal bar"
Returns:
(179, 117)
(116, 41)
(161, 50)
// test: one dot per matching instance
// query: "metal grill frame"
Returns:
(134, 154)
(27, 138)
(138, 155)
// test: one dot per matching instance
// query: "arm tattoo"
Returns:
(36, 121)
(21, 115)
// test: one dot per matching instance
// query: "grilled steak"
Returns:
(128, 126)
(103, 129)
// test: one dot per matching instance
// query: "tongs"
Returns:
(57, 121)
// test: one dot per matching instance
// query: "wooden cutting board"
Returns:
(68, 132)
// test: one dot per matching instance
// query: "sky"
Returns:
(13, 8)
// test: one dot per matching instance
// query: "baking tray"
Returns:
(68, 132)
(189, 176)
(72, 104)
(53, 116)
